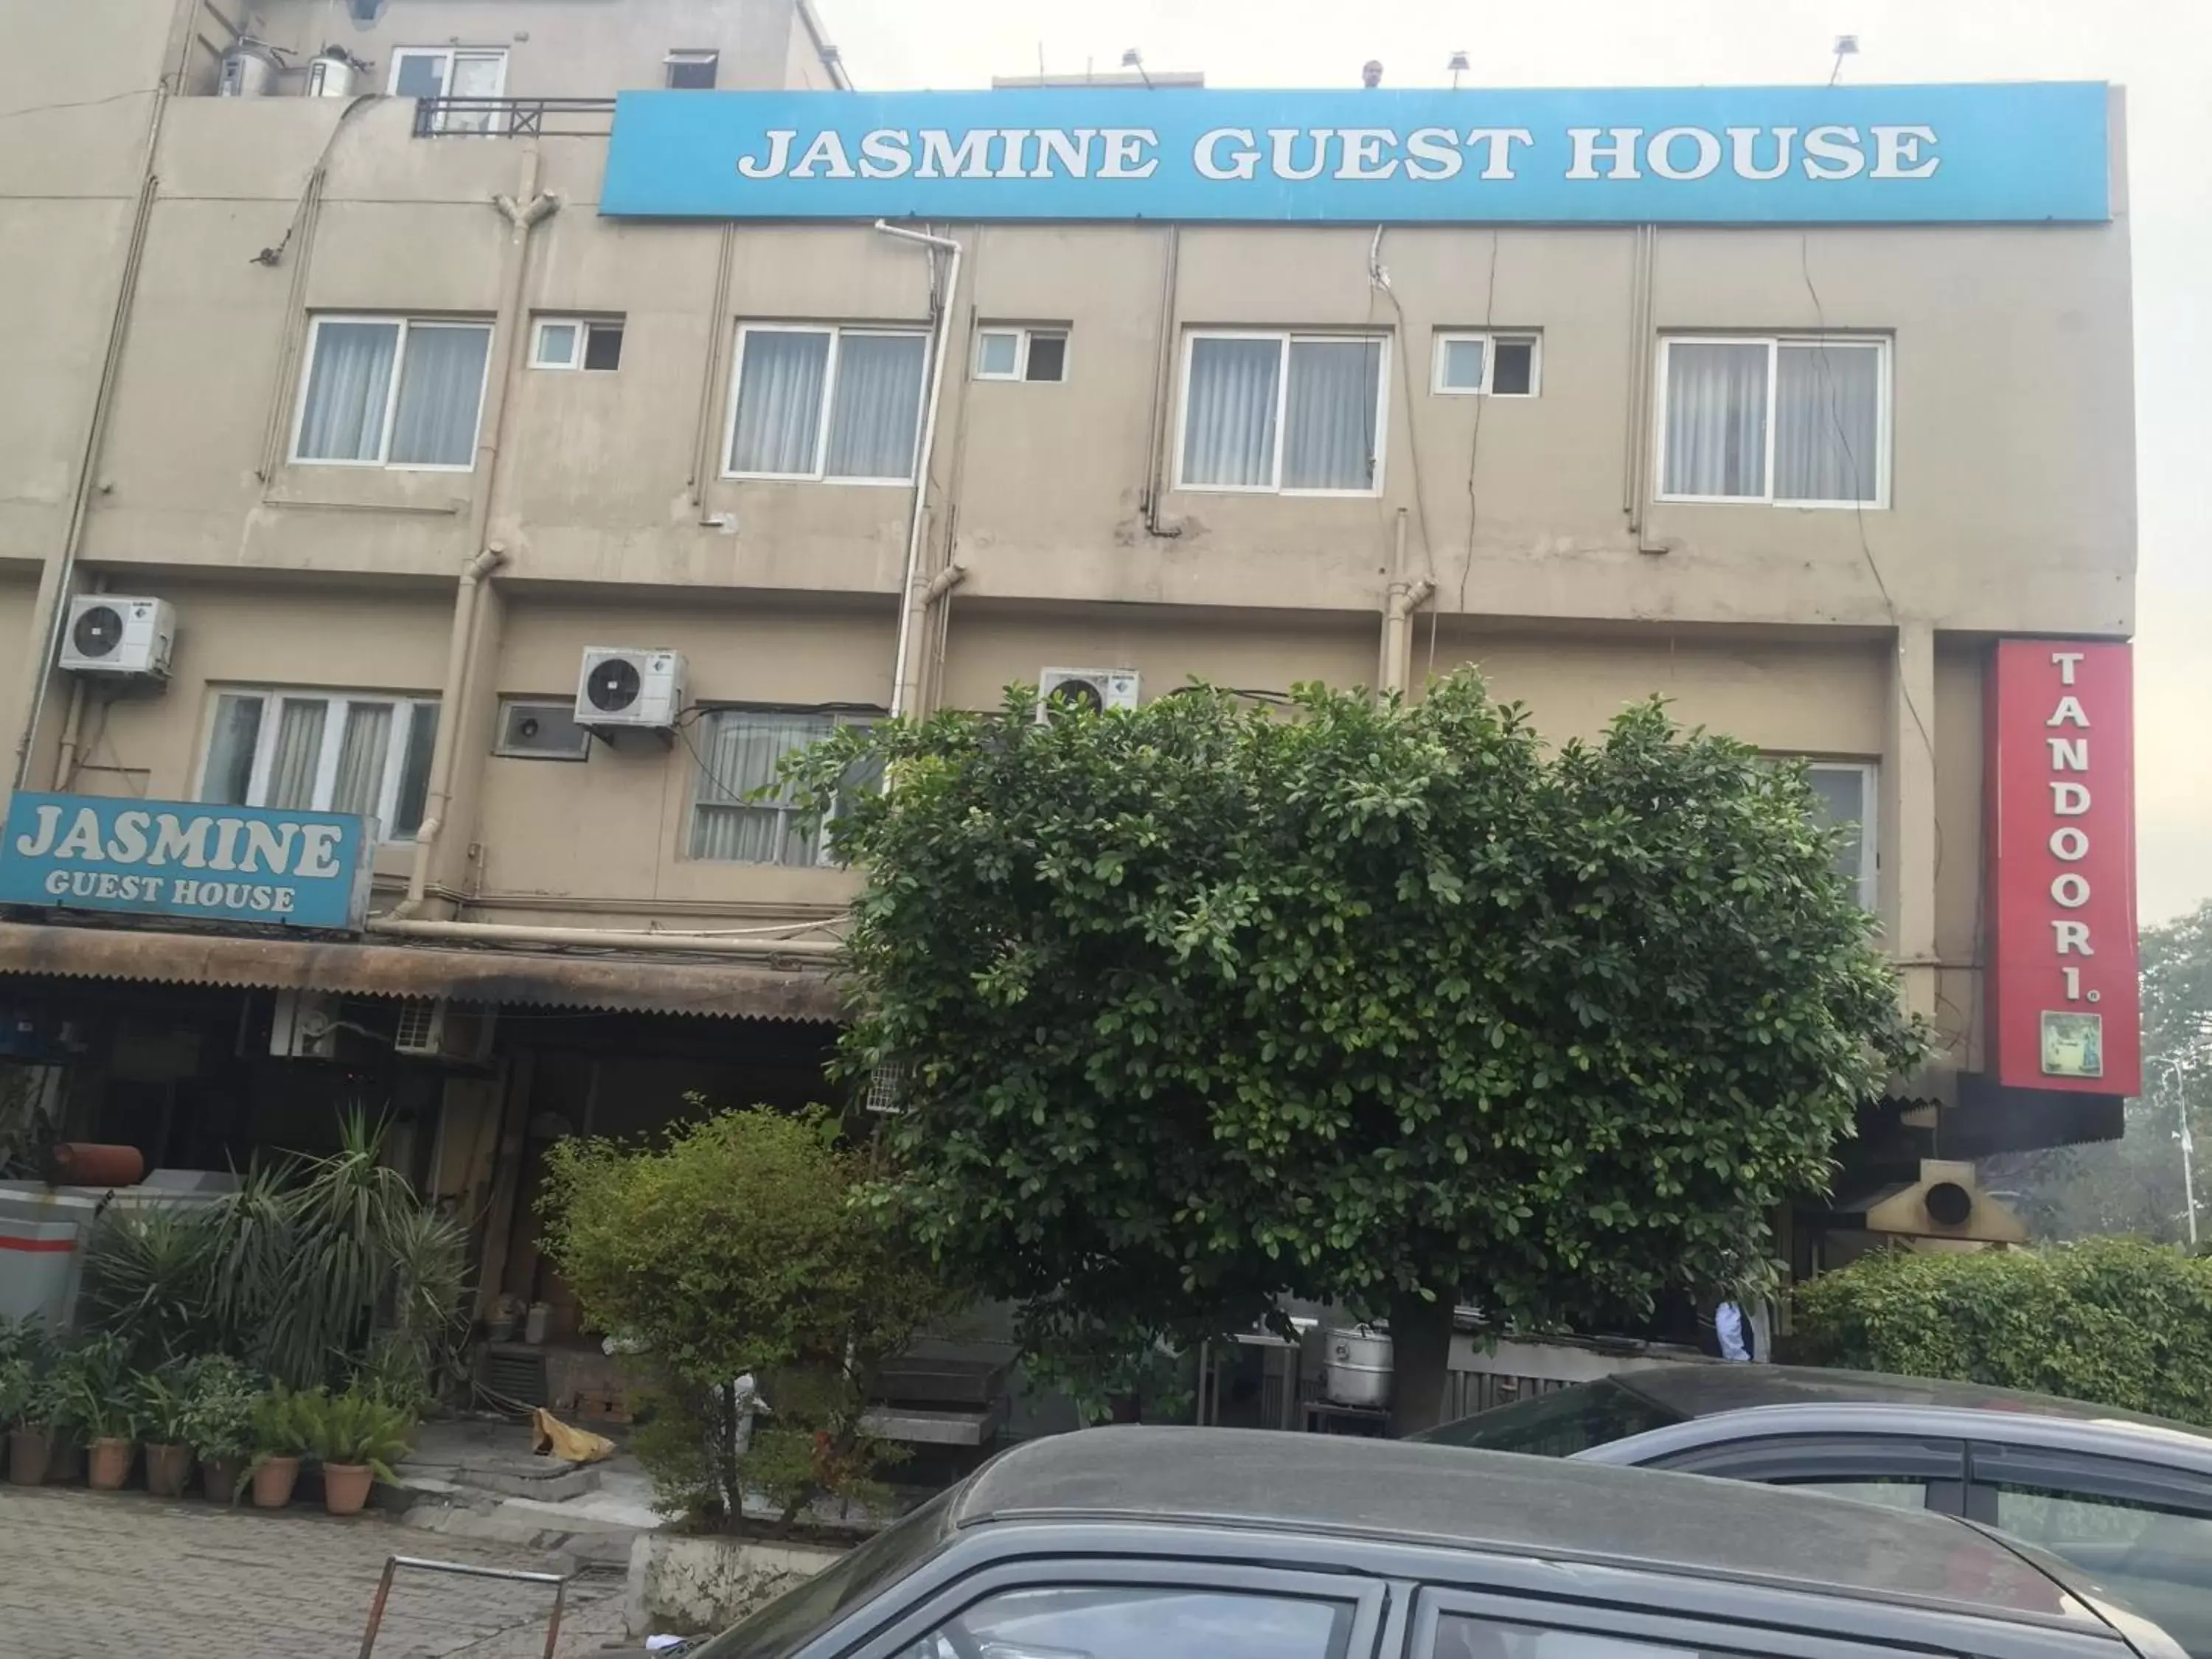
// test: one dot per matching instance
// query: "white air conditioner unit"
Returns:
(436, 1028)
(627, 690)
(111, 634)
(1095, 689)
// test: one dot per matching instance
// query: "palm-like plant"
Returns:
(354, 1428)
(164, 1406)
(89, 1389)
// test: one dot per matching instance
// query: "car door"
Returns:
(1128, 1607)
(1900, 1470)
(2141, 1531)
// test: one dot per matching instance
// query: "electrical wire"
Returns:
(1474, 453)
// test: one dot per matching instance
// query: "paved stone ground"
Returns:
(90, 1575)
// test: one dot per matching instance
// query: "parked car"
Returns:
(2126, 1498)
(1144, 1543)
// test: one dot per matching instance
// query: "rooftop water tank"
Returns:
(248, 69)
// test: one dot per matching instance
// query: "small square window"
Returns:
(998, 354)
(556, 345)
(1021, 353)
(602, 346)
(1047, 357)
(572, 342)
(692, 71)
(1486, 365)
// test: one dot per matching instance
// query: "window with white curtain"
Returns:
(738, 752)
(820, 402)
(1300, 414)
(366, 755)
(475, 76)
(1799, 422)
(399, 391)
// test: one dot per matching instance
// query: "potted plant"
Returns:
(23, 1409)
(357, 1437)
(221, 1396)
(279, 1437)
(92, 1392)
(164, 1409)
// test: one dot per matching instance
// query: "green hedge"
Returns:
(2116, 1320)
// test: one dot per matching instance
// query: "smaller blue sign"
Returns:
(178, 859)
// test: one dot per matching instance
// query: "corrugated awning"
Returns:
(631, 982)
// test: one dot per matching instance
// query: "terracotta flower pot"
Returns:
(345, 1487)
(65, 1460)
(273, 1482)
(110, 1463)
(219, 1478)
(167, 1469)
(29, 1452)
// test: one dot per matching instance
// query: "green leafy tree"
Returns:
(1200, 1004)
(734, 1248)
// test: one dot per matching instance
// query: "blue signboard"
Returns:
(1994, 153)
(174, 858)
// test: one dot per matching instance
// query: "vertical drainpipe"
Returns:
(915, 597)
(522, 212)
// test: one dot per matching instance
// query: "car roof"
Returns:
(1696, 1390)
(1503, 1503)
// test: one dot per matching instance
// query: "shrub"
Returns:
(221, 1399)
(736, 1247)
(91, 1391)
(2114, 1321)
(164, 1406)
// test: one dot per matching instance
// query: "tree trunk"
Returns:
(1420, 1351)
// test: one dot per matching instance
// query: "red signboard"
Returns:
(2064, 1010)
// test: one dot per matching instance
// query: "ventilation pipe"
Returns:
(914, 599)
(1401, 599)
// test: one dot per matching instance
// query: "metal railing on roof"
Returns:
(514, 118)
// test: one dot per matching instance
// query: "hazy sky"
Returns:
(2159, 50)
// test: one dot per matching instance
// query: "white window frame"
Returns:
(583, 326)
(691, 55)
(1869, 774)
(337, 706)
(494, 120)
(837, 332)
(1023, 333)
(1877, 342)
(838, 720)
(1286, 338)
(1490, 339)
(407, 325)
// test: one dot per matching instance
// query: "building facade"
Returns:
(423, 445)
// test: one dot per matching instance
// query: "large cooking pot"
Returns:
(1359, 1368)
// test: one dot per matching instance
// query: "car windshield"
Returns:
(786, 1624)
(1558, 1424)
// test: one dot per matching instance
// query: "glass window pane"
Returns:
(602, 346)
(1827, 423)
(229, 772)
(358, 789)
(1515, 375)
(1328, 421)
(1118, 1621)
(476, 76)
(1840, 792)
(556, 344)
(2157, 1562)
(441, 392)
(421, 75)
(1715, 420)
(1461, 366)
(997, 351)
(348, 383)
(738, 752)
(1229, 422)
(1890, 1494)
(415, 772)
(1558, 1424)
(299, 754)
(779, 417)
(1463, 1636)
(875, 413)
(1048, 358)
